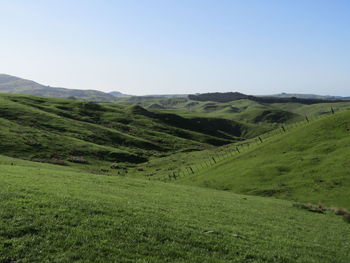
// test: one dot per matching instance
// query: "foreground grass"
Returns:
(64, 215)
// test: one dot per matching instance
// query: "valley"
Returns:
(224, 182)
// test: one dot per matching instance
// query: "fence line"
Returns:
(234, 149)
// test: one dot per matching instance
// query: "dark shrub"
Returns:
(346, 217)
(33, 143)
(57, 161)
(115, 166)
(312, 208)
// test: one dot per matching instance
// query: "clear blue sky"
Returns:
(179, 46)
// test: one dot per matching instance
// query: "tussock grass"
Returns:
(322, 209)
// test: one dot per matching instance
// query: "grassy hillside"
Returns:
(54, 130)
(309, 163)
(232, 96)
(87, 210)
(244, 110)
(94, 136)
(312, 110)
(309, 96)
(15, 85)
(257, 116)
(63, 215)
(240, 110)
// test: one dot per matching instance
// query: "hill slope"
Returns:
(64, 215)
(309, 96)
(55, 129)
(232, 96)
(243, 110)
(309, 163)
(15, 85)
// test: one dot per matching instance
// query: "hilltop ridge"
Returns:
(15, 85)
(233, 96)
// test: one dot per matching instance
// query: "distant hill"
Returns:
(220, 97)
(15, 85)
(232, 96)
(309, 96)
(118, 94)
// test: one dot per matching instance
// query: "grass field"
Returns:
(57, 130)
(82, 210)
(50, 215)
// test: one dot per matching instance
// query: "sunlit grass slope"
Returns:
(309, 164)
(313, 109)
(51, 215)
(48, 130)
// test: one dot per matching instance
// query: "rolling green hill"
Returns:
(243, 110)
(233, 96)
(15, 85)
(55, 130)
(97, 206)
(65, 215)
(311, 110)
(309, 96)
(308, 164)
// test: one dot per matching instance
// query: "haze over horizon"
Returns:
(179, 47)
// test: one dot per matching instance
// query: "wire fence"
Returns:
(231, 150)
